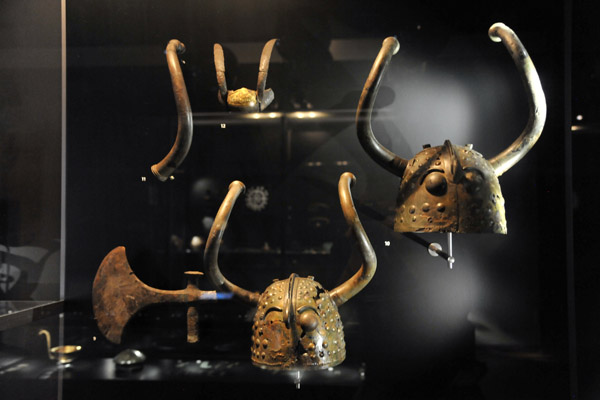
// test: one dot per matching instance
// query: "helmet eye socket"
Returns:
(308, 320)
(270, 311)
(474, 180)
(435, 183)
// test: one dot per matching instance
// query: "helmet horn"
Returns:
(211, 253)
(220, 68)
(185, 125)
(360, 279)
(382, 156)
(535, 95)
(265, 97)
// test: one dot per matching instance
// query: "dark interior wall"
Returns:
(585, 136)
(448, 81)
(30, 142)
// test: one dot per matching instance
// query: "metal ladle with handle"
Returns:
(62, 354)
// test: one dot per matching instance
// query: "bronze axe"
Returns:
(117, 294)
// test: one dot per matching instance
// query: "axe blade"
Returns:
(117, 294)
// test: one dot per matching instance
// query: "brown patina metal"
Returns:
(192, 325)
(452, 188)
(244, 99)
(118, 294)
(183, 140)
(297, 323)
(192, 313)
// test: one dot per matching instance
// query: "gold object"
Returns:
(297, 323)
(62, 354)
(452, 188)
(242, 98)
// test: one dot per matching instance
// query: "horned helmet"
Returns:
(245, 99)
(297, 323)
(452, 188)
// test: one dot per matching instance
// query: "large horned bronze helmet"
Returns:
(297, 324)
(452, 188)
(245, 99)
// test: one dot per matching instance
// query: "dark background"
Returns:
(501, 324)
(30, 142)
(418, 326)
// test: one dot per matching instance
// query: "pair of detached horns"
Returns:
(501, 162)
(340, 294)
(185, 125)
(264, 96)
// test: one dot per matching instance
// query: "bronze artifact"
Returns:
(452, 188)
(245, 99)
(117, 294)
(183, 140)
(297, 324)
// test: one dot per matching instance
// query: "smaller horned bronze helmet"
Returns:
(452, 188)
(245, 99)
(297, 323)
(183, 140)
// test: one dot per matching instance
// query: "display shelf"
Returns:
(579, 128)
(21, 312)
(210, 370)
(167, 370)
(277, 251)
(300, 116)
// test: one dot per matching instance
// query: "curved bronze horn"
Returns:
(265, 97)
(360, 279)
(220, 68)
(380, 154)
(185, 125)
(211, 253)
(535, 95)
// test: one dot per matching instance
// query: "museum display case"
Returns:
(130, 128)
(31, 245)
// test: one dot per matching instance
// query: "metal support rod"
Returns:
(298, 379)
(434, 248)
(450, 258)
